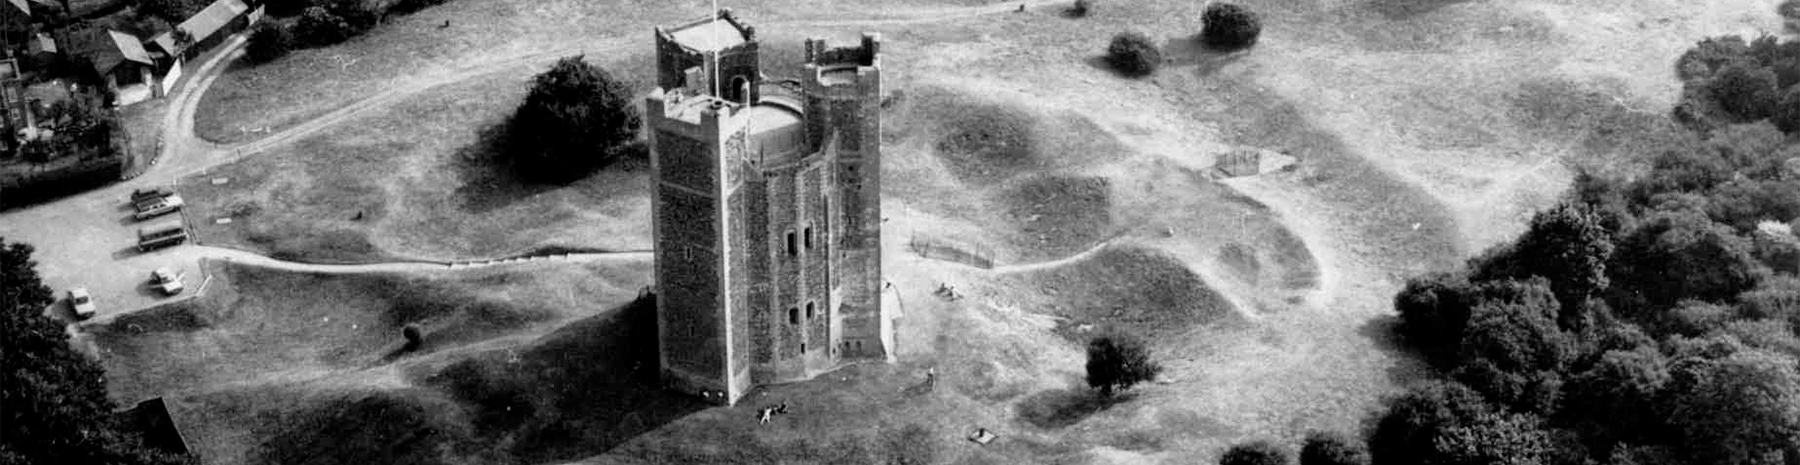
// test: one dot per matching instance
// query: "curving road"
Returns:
(86, 240)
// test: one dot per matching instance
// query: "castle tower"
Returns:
(766, 217)
(696, 45)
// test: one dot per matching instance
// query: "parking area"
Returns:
(90, 240)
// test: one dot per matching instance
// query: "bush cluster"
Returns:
(1229, 26)
(1648, 320)
(268, 41)
(1133, 54)
(1730, 80)
(576, 118)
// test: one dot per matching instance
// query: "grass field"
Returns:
(1424, 129)
(388, 185)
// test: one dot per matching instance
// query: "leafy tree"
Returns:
(1787, 110)
(1745, 90)
(270, 40)
(1261, 452)
(1434, 308)
(1772, 335)
(1133, 54)
(1407, 433)
(1617, 399)
(1681, 171)
(1776, 298)
(173, 11)
(319, 27)
(1677, 255)
(1738, 408)
(1332, 448)
(1495, 439)
(1749, 148)
(1693, 318)
(1116, 362)
(1229, 26)
(1742, 203)
(1569, 245)
(1512, 350)
(1081, 8)
(576, 118)
(1711, 54)
(53, 403)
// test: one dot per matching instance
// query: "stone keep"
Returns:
(766, 210)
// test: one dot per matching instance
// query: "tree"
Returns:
(320, 27)
(1512, 351)
(1229, 26)
(270, 40)
(1616, 400)
(1737, 408)
(1332, 448)
(1434, 308)
(414, 337)
(1746, 90)
(575, 119)
(53, 402)
(1787, 110)
(1680, 254)
(1118, 361)
(1710, 54)
(1081, 8)
(1133, 54)
(1742, 203)
(1566, 244)
(1495, 439)
(1260, 452)
(1408, 431)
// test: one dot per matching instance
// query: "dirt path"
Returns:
(240, 256)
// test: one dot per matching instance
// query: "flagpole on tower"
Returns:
(716, 46)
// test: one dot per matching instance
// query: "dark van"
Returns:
(160, 235)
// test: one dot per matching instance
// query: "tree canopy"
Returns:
(576, 118)
(1116, 362)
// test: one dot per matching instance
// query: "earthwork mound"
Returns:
(1140, 290)
(984, 142)
(1056, 215)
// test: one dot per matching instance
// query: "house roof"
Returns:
(213, 18)
(22, 6)
(106, 49)
(130, 47)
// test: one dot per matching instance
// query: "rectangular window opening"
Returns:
(809, 310)
(809, 236)
(792, 249)
(793, 316)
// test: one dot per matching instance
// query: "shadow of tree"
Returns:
(1191, 51)
(1408, 9)
(1384, 332)
(1061, 408)
(492, 180)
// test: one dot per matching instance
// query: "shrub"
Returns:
(1408, 431)
(270, 40)
(414, 337)
(1133, 54)
(1677, 255)
(1434, 308)
(1331, 448)
(1081, 8)
(1229, 26)
(1616, 398)
(1260, 452)
(1745, 90)
(319, 27)
(1116, 362)
(576, 118)
(1738, 407)
(1789, 10)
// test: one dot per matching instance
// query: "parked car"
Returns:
(166, 280)
(146, 193)
(160, 235)
(81, 302)
(161, 207)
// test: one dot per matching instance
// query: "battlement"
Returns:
(866, 53)
(720, 31)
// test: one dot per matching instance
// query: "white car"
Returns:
(160, 207)
(166, 280)
(81, 302)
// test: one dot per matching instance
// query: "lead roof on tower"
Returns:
(709, 35)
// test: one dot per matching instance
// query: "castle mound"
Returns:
(1141, 290)
(1056, 215)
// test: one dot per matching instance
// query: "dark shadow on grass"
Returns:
(1102, 63)
(1191, 51)
(1061, 408)
(492, 180)
(1408, 365)
(575, 393)
(1408, 9)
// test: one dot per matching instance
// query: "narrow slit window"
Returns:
(791, 248)
(793, 316)
(809, 310)
(809, 238)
